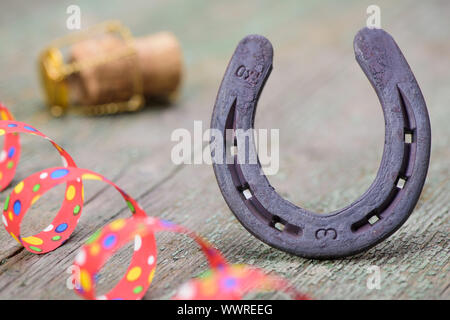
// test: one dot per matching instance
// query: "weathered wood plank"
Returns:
(322, 101)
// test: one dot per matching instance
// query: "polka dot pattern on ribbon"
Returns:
(221, 281)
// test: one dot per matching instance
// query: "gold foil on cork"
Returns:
(55, 72)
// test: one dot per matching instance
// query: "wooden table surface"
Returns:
(331, 140)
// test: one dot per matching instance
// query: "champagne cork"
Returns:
(155, 67)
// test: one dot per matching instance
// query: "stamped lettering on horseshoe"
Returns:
(251, 76)
(328, 233)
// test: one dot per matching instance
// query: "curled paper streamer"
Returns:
(221, 281)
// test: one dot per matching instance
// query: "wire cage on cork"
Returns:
(104, 70)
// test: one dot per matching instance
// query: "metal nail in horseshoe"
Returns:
(380, 211)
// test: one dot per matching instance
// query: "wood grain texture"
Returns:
(323, 102)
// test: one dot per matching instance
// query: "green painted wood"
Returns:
(322, 101)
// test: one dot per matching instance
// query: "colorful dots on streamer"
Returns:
(61, 228)
(19, 187)
(85, 280)
(76, 210)
(35, 198)
(70, 193)
(167, 224)
(130, 206)
(138, 289)
(109, 241)
(229, 283)
(95, 249)
(224, 281)
(137, 242)
(5, 207)
(30, 128)
(17, 207)
(117, 224)
(15, 238)
(134, 274)
(59, 173)
(35, 248)
(33, 240)
(151, 275)
(90, 176)
(11, 152)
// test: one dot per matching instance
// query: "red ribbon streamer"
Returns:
(221, 281)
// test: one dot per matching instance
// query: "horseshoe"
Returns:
(379, 212)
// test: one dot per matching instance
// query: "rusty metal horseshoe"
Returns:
(380, 211)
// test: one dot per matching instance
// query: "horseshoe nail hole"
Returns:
(278, 224)
(247, 194)
(373, 219)
(401, 181)
(408, 137)
(369, 220)
(242, 187)
(283, 226)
